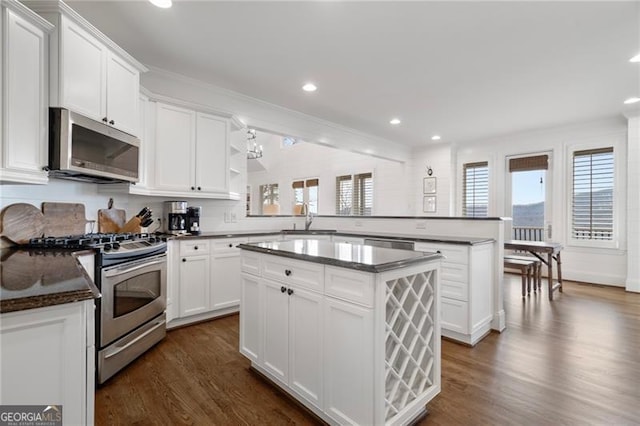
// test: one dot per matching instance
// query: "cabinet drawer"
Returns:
(305, 274)
(454, 315)
(227, 246)
(455, 272)
(453, 253)
(455, 290)
(353, 286)
(250, 262)
(194, 247)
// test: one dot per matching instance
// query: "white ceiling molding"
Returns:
(185, 91)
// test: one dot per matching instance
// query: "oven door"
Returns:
(132, 294)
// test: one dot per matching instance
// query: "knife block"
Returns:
(133, 225)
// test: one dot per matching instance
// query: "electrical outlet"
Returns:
(421, 225)
(358, 223)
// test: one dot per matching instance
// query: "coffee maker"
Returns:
(175, 217)
(193, 219)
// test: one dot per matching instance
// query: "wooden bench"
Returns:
(526, 268)
(537, 270)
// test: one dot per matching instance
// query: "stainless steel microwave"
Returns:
(87, 150)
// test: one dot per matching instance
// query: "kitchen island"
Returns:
(350, 331)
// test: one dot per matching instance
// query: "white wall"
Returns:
(595, 265)
(392, 186)
(440, 158)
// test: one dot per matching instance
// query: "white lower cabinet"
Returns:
(350, 355)
(348, 336)
(47, 357)
(467, 290)
(194, 285)
(207, 282)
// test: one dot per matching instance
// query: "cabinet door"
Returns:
(175, 133)
(25, 124)
(348, 362)
(83, 66)
(225, 286)
(305, 345)
(275, 344)
(194, 285)
(123, 83)
(60, 377)
(212, 154)
(250, 317)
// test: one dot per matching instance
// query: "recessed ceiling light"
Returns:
(309, 87)
(632, 101)
(435, 138)
(161, 3)
(395, 121)
(635, 58)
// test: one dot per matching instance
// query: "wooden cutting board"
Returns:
(63, 219)
(21, 222)
(111, 220)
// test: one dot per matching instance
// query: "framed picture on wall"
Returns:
(429, 185)
(429, 204)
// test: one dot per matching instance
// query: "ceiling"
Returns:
(463, 70)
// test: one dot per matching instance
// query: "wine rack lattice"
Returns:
(409, 339)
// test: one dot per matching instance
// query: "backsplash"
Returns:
(66, 191)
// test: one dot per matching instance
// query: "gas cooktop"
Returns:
(104, 242)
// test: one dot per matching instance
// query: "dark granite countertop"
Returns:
(32, 279)
(352, 256)
(384, 236)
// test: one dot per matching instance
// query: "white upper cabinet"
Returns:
(174, 149)
(90, 74)
(212, 154)
(24, 122)
(191, 154)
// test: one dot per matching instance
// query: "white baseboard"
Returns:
(593, 277)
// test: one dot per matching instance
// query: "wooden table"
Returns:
(539, 249)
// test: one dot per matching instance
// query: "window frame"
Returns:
(357, 204)
(305, 193)
(463, 197)
(614, 242)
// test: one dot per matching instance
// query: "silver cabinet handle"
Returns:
(121, 271)
(134, 341)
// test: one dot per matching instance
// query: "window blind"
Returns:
(592, 196)
(344, 195)
(523, 164)
(475, 189)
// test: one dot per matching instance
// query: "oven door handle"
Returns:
(126, 345)
(121, 271)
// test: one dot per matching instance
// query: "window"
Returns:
(305, 191)
(475, 189)
(354, 195)
(269, 196)
(288, 141)
(592, 195)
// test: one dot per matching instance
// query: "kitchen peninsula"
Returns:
(350, 331)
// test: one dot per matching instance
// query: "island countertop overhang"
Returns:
(352, 256)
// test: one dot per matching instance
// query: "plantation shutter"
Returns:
(592, 196)
(363, 194)
(344, 193)
(475, 189)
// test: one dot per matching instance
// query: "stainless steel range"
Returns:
(131, 273)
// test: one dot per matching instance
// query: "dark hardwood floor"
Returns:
(573, 361)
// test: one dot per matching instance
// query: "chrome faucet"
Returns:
(308, 216)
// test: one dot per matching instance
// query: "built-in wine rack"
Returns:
(409, 339)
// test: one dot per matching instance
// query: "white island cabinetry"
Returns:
(353, 346)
